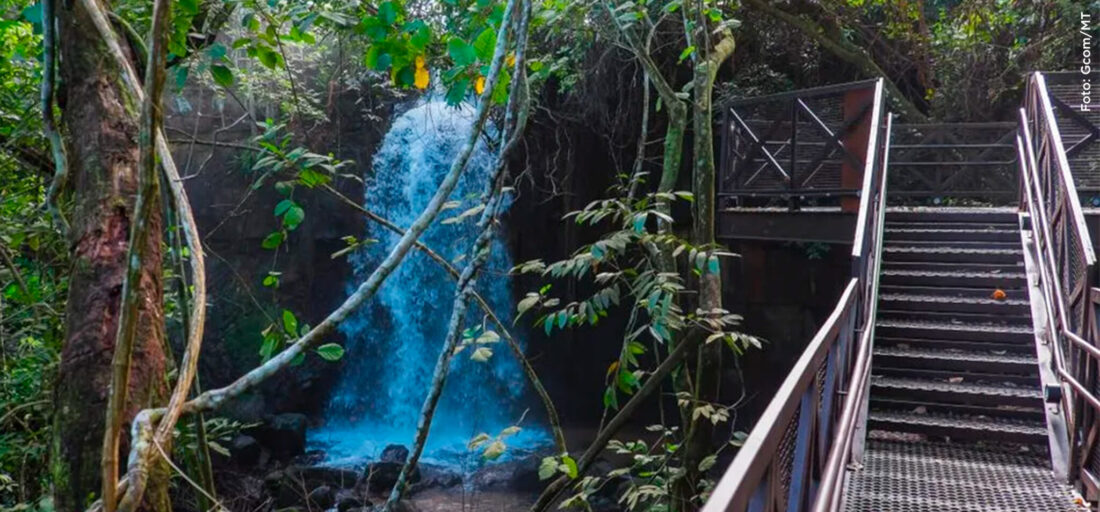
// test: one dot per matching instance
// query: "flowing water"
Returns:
(393, 341)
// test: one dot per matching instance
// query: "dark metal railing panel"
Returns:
(799, 445)
(962, 163)
(796, 145)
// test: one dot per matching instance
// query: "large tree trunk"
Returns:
(100, 117)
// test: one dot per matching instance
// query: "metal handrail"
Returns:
(832, 481)
(1049, 195)
(805, 415)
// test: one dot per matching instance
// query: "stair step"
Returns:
(964, 225)
(974, 428)
(946, 234)
(989, 280)
(954, 331)
(947, 303)
(1008, 347)
(952, 214)
(953, 266)
(956, 392)
(945, 254)
(1032, 414)
(917, 315)
(981, 245)
(955, 360)
(950, 292)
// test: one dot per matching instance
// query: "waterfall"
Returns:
(394, 341)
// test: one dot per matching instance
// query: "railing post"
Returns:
(855, 140)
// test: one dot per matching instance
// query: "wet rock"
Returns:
(381, 476)
(245, 451)
(310, 458)
(521, 474)
(349, 501)
(322, 497)
(284, 435)
(311, 477)
(395, 453)
(438, 477)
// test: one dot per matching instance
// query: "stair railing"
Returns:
(793, 459)
(1066, 262)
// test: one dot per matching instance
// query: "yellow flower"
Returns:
(479, 85)
(511, 60)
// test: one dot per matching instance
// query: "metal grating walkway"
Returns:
(942, 477)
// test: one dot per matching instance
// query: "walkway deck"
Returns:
(944, 477)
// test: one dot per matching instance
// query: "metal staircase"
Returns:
(960, 368)
(951, 361)
(956, 418)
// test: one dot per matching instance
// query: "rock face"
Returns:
(284, 435)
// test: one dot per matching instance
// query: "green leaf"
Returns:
(461, 53)
(290, 323)
(387, 12)
(548, 467)
(494, 450)
(270, 281)
(686, 53)
(298, 359)
(482, 354)
(330, 352)
(457, 91)
(223, 76)
(570, 466)
(283, 206)
(477, 441)
(273, 240)
(485, 43)
(293, 217)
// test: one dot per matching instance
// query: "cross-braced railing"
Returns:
(795, 456)
(954, 163)
(1063, 253)
(796, 146)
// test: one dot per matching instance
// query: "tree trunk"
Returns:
(100, 117)
(699, 439)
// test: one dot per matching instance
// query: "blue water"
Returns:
(394, 341)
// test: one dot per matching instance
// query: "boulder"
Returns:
(395, 453)
(381, 476)
(284, 435)
(312, 477)
(245, 451)
(322, 497)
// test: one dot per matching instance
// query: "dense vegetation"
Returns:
(85, 188)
